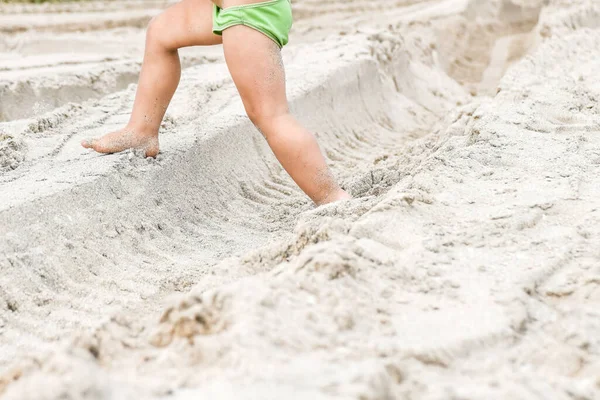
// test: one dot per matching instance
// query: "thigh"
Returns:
(187, 23)
(255, 64)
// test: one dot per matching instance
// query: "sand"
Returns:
(465, 267)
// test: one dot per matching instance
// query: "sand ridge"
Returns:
(464, 268)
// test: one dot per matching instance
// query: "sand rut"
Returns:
(487, 39)
(184, 211)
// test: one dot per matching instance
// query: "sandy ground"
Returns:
(466, 267)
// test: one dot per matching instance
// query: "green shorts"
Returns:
(273, 18)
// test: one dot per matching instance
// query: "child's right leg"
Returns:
(187, 23)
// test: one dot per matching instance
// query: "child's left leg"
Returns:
(256, 67)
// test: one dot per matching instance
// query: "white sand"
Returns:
(466, 267)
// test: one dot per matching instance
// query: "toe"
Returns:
(88, 143)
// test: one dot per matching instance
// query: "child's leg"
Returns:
(187, 23)
(255, 64)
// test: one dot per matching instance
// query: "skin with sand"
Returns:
(256, 67)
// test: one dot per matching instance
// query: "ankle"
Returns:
(141, 130)
(336, 195)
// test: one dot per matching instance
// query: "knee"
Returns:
(255, 116)
(155, 33)
(262, 118)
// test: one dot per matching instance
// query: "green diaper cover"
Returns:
(273, 18)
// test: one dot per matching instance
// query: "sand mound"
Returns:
(464, 267)
(12, 152)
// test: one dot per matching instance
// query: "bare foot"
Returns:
(338, 195)
(124, 139)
